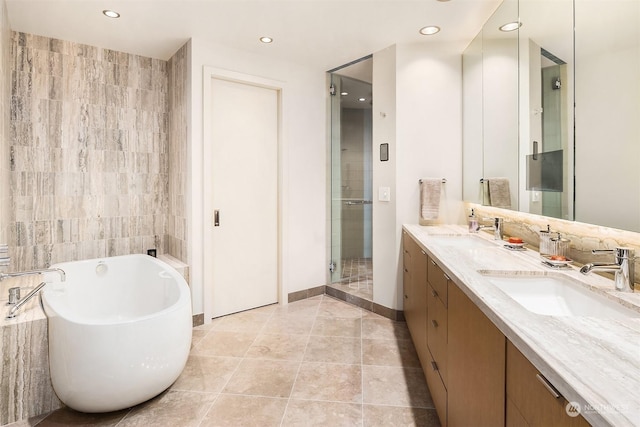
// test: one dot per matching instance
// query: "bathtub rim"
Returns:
(184, 294)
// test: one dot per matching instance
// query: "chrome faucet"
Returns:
(34, 292)
(497, 227)
(622, 266)
(23, 301)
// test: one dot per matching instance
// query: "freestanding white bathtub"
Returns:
(119, 331)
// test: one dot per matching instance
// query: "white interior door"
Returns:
(244, 193)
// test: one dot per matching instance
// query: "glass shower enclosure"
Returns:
(351, 179)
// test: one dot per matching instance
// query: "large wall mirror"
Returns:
(587, 169)
(490, 126)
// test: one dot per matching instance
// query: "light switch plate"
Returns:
(384, 194)
(535, 197)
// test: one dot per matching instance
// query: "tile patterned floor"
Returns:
(357, 278)
(315, 362)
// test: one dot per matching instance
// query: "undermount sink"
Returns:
(462, 241)
(558, 296)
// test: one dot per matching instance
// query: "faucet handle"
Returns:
(602, 251)
(619, 252)
(495, 219)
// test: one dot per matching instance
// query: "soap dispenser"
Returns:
(473, 222)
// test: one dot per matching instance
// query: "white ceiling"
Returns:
(323, 33)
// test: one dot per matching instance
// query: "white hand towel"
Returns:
(499, 195)
(430, 198)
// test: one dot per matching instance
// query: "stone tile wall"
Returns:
(89, 155)
(179, 90)
(5, 93)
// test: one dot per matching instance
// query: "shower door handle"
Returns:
(216, 218)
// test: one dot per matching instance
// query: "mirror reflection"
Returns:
(546, 107)
(607, 96)
(490, 111)
(587, 170)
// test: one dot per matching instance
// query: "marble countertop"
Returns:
(592, 361)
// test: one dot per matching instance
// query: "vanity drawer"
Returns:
(437, 389)
(438, 281)
(437, 325)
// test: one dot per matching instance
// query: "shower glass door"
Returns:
(351, 179)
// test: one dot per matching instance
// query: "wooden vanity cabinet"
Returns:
(531, 398)
(476, 365)
(415, 294)
(475, 375)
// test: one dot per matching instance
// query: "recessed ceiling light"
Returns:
(431, 29)
(344, 93)
(511, 26)
(266, 39)
(111, 13)
(362, 99)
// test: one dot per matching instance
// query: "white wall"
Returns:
(385, 236)
(423, 126)
(303, 167)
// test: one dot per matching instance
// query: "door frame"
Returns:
(210, 73)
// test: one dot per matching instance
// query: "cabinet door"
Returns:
(476, 365)
(419, 286)
(407, 283)
(530, 400)
(415, 296)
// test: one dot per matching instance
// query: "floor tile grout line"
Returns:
(121, 419)
(204, 416)
(293, 386)
(241, 359)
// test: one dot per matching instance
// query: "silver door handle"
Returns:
(216, 218)
(550, 388)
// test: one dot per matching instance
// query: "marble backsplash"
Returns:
(584, 237)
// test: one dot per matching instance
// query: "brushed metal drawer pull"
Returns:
(434, 365)
(550, 388)
(423, 252)
(433, 262)
(434, 323)
(434, 293)
(445, 276)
